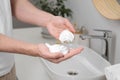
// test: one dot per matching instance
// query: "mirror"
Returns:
(108, 8)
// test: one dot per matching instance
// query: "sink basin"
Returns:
(88, 65)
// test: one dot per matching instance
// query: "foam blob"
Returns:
(57, 48)
(66, 36)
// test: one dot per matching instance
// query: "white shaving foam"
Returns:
(66, 36)
(57, 48)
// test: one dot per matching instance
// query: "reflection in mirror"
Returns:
(118, 1)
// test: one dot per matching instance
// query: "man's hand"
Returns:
(23, 10)
(56, 57)
(57, 24)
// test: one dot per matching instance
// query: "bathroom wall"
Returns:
(86, 14)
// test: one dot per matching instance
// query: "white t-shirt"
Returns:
(6, 60)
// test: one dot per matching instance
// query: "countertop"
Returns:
(27, 67)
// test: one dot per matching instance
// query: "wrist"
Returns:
(29, 49)
(44, 19)
(34, 51)
(49, 20)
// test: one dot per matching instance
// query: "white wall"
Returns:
(86, 14)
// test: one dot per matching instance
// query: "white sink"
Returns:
(88, 65)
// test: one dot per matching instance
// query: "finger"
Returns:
(51, 29)
(71, 53)
(54, 61)
(55, 55)
(55, 30)
(75, 51)
(69, 25)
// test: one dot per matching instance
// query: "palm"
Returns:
(57, 25)
(55, 31)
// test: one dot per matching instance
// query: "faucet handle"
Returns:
(107, 33)
(83, 30)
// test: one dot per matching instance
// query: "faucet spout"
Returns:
(107, 36)
(83, 37)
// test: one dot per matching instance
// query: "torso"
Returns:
(6, 60)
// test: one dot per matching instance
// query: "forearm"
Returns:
(14, 46)
(26, 12)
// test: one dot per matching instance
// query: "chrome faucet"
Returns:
(107, 37)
